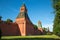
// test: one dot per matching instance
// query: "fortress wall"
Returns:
(9, 29)
(29, 28)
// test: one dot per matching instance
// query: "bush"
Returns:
(9, 20)
(58, 34)
(49, 33)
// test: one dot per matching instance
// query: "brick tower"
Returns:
(25, 25)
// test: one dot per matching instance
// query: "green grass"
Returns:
(42, 37)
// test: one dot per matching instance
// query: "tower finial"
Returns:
(23, 4)
(23, 11)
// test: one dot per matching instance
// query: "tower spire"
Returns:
(23, 8)
(23, 12)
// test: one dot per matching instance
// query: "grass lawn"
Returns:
(40, 37)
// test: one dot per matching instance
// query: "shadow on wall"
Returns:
(9, 29)
(18, 31)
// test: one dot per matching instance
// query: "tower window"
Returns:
(22, 9)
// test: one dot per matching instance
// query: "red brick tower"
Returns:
(24, 23)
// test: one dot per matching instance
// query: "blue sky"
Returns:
(37, 10)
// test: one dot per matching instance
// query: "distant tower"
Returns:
(39, 24)
(24, 23)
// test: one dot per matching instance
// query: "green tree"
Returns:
(0, 17)
(56, 26)
(35, 27)
(9, 20)
(45, 29)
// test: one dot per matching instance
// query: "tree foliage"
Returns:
(0, 17)
(56, 26)
(45, 29)
(35, 27)
(9, 20)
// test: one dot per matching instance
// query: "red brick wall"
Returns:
(29, 28)
(9, 29)
(21, 28)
